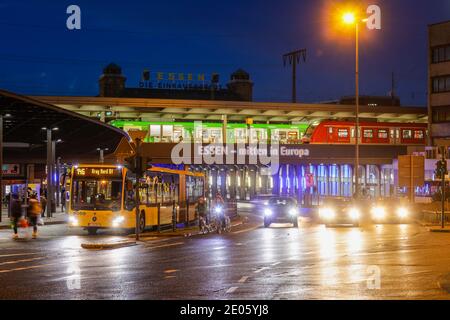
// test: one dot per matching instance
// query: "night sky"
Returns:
(38, 55)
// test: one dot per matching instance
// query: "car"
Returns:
(282, 210)
(391, 210)
(340, 211)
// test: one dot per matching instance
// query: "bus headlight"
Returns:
(379, 213)
(403, 212)
(293, 212)
(327, 213)
(118, 221)
(354, 214)
(73, 221)
(268, 212)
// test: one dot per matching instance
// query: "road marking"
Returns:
(262, 269)
(166, 245)
(275, 264)
(243, 279)
(169, 277)
(19, 261)
(171, 271)
(27, 268)
(18, 254)
(245, 230)
(232, 289)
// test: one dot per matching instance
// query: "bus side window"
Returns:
(130, 198)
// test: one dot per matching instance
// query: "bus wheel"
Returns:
(142, 221)
(92, 231)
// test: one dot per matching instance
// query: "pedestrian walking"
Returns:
(16, 214)
(63, 200)
(34, 210)
(43, 205)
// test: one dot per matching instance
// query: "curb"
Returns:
(113, 245)
(439, 230)
(49, 223)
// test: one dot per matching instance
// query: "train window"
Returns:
(167, 133)
(343, 133)
(382, 134)
(392, 134)
(368, 133)
(353, 132)
(407, 134)
(330, 130)
(418, 134)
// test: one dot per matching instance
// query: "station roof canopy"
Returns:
(24, 138)
(190, 110)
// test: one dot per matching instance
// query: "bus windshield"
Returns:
(95, 194)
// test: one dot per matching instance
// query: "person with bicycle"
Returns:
(201, 211)
(219, 209)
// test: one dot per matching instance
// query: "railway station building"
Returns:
(225, 118)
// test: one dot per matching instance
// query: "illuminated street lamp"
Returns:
(350, 18)
(102, 153)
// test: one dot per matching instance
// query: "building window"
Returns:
(407, 134)
(441, 114)
(441, 84)
(368, 133)
(440, 54)
(343, 133)
(382, 134)
(418, 134)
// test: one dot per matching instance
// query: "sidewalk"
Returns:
(58, 218)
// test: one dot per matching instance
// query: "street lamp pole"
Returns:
(1, 168)
(357, 111)
(102, 154)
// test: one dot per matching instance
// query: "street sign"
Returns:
(411, 171)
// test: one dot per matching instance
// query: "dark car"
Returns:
(340, 211)
(391, 210)
(281, 209)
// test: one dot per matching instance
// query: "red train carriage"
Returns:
(377, 133)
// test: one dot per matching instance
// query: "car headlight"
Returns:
(73, 221)
(402, 212)
(379, 213)
(118, 221)
(327, 213)
(354, 214)
(268, 212)
(293, 212)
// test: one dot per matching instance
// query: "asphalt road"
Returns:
(311, 262)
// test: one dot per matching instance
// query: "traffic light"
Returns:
(441, 169)
(138, 165)
(130, 164)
